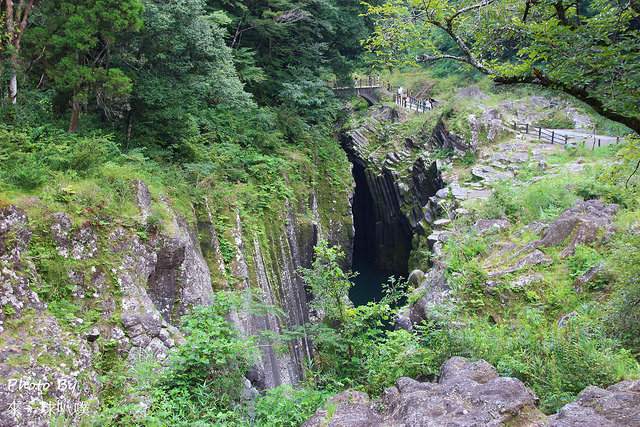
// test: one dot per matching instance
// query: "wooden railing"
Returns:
(415, 104)
(366, 82)
(543, 134)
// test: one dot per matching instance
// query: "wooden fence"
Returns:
(543, 134)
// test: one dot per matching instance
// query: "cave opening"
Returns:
(381, 247)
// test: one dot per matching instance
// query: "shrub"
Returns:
(329, 284)
(557, 119)
(546, 199)
(557, 363)
(505, 201)
(623, 313)
(583, 260)
(399, 354)
(286, 406)
(205, 377)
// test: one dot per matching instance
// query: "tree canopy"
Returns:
(587, 49)
(162, 72)
(82, 38)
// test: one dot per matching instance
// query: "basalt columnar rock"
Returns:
(124, 292)
(443, 139)
(394, 198)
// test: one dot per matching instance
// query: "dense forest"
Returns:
(178, 202)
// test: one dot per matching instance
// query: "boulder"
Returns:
(351, 409)
(416, 277)
(433, 292)
(582, 223)
(466, 394)
(617, 406)
(490, 226)
(588, 277)
(537, 257)
(442, 193)
(490, 174)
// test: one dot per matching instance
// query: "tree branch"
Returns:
(470, 58)
(23, 23)
(429, 58)
(478, 5)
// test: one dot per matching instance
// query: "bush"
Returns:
(557, 363)
(329, 284)
(557, 119)
(400, 354)
(623, 313)
(583, 260)
(505, 201)
(286, 406)
(205, 377)
(546, 199)
(28, 157)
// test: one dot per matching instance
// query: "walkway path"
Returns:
(589, 139)
(564, 136)
(416, 104)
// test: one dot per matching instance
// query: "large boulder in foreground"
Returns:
(618, 405)
(473, 394)
(467, 394)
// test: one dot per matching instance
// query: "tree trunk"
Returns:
(75, 115)
(129, 128)
(13, 88)
(16, 23)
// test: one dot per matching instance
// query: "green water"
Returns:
(367, 285)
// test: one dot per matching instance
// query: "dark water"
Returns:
(367, 285)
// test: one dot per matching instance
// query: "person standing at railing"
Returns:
(404, 99)
(399, 96)
(356, 81)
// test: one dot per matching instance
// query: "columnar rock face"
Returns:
(138, 285)
(393, 200)
(441, 138)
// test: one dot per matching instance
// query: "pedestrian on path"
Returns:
(404, 99)
(356, 80)
(399, 96)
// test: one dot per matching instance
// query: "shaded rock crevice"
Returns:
(393, 201)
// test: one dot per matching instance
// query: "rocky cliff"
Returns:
(83, 292)
(395, 185)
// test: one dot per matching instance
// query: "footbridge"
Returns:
(366, 88)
